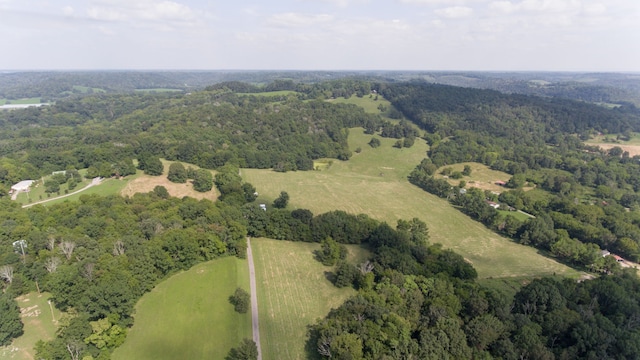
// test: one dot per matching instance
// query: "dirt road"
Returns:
(254, 299)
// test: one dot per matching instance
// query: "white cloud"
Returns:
(291, 19)
(455, 12)
(503, 6)
(68, 10)
(158, 13)
(436, 2)
(341, 3)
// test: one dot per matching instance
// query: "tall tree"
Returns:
(282, 200)
(177, 173)
(203, 181)
(10, 324)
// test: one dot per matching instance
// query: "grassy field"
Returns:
(293, 292)
(39, 324)
(367, 103)
(375, 182)
(189, 315)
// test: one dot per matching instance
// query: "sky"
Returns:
(465, 35)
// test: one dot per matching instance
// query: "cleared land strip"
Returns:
(254, 299)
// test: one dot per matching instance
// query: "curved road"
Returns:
(254, 299)
(94, 182)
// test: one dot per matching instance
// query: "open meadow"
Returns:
(40, 323)
(375, 182)
(293, 292)
(189, 316)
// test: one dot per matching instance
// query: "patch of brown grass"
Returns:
(146, 183)
(632, 149)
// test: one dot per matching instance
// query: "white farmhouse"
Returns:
(22, 186)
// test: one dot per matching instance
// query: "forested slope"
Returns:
(590, 191)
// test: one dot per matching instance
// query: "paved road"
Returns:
(94, 182)
(254, 299)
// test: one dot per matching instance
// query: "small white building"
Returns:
(22, 186)
(263, 207)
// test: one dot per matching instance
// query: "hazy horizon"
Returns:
(581, 36)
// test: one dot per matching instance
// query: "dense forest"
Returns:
(99, 255)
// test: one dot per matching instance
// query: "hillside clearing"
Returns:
(374, 182)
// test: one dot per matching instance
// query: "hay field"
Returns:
(375, 182)
(293, 292)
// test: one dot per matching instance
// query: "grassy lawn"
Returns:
(39, 324)
(374, 182)
(189, 315)
(516, 214)
(37, 192)
(292, 293)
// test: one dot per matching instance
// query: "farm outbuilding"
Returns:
(22, 186)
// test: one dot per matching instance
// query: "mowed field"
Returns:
(293, 292)
(145, 183)
(189, 315)
(375, 182)
(39, 321)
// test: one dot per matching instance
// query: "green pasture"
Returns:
(293, 292)
(374, 182)
(367, 103)
(189, 315)
(39, 321)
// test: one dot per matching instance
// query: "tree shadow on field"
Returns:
(331, 276)
(311, 345)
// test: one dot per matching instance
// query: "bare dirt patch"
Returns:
(147, 183)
